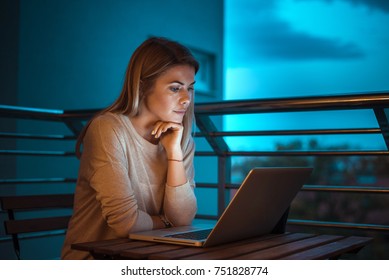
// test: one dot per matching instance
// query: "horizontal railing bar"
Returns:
(216, 134)
(290, 132)
(312, 223)
(37, 136)
(80, 114)
(297, 153)
(206, 217)
(34, 235)
(18, 112)
(316, 188)
(35, 153)
(293, 104)
(7, 111)
(210, 185)
(317, 103)
(296, 222)
(354, 189)
(36, 180)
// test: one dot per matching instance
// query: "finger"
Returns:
(175, 126)
(165, 127)
(171, 126)
(156, 128)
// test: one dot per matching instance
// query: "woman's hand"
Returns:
(170, 135)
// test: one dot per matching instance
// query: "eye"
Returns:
(175, 89)
(191, 89)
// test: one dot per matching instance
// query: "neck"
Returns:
(144, 128)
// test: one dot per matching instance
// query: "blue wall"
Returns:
(73, 55)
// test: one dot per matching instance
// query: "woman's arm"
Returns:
(170, 135)
(104, 158)
(180, 205)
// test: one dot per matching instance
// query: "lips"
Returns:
(181, 112)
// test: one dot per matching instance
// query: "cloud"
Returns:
(382, 5)
(266, 36)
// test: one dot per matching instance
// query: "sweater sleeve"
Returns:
(180, 205)
(106, 155)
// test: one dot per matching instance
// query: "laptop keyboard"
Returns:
(196, 235)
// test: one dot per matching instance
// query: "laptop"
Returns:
(258, 205)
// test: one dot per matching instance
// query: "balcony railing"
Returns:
(75, 120)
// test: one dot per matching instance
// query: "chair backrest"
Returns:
(13, 204)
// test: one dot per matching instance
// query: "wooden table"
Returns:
(298, 246)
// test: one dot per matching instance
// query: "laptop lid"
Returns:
(261, 200)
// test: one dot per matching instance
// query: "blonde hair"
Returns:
(152, 58)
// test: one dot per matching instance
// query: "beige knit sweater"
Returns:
(122, 183)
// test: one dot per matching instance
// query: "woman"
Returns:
(136, 169)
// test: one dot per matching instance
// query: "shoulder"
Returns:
(105, 124)
(105, 121)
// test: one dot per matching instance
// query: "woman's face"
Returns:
(170, 96)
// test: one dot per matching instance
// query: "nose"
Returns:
(186, 98)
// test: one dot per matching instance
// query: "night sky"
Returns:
(283, 48)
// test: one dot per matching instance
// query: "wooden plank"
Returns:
(247, 248)
(179, 253)
(283, 246)
(144, 252)
(37, 201)
(88, 246)
(331, 250)
(189, 251)
(280, 251)
(36, 225)
(116, 249)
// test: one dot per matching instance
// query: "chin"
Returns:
(177, 119)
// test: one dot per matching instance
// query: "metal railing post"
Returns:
(382, 120)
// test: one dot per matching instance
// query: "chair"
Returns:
(25, 204)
